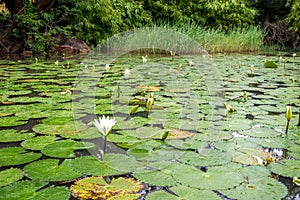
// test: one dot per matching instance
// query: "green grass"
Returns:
(214, 40)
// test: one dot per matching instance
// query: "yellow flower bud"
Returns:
(149, 103)
(288, 113)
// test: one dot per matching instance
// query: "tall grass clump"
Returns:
(214, 40)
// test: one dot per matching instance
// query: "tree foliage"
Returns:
(36, 23)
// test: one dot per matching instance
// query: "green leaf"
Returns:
(92, 166)
(268, 188)
(11, 135)
(9, 176)
(65, 148)
(288, 168)
(38, 143)
(16, 156)
(51, 170)
(216, 178)
(30, 190)
(270, 64)
(205, 157)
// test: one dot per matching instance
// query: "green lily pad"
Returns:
(92, 166)
(12, 121)
(14, 136)
(288, 168)
(205, 157)
(120, 162)
(212, 136)
(51, 170)
(38, 143)
(270, 64)
(16, 156)
(164, 172)
(268, 188)
(30, 190)
(9, 176)
(65, 148)
(183, 192)
(260, 132)
(216, 178)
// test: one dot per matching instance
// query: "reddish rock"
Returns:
(71, 46)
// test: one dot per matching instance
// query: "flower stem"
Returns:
(287, 127)
(298, 120)
(104, 145)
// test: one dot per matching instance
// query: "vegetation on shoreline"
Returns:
(231, 25)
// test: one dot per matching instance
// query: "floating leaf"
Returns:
(149, 88)
(16, 156)
(12, 121)
(164, 172)
(266, 188)
(11, 135)
(30, 190)
(120, 162)
(51, 170)
(92, 166)
(9, 176)
(38, 143)
(288, 168)
(213, 136)
(205, 157)
(215, 178)
(270, 64)
(97, 188)
(65, 148)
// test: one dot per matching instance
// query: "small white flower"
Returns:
(107, 67)
(144, 58)
(127, 72)
(56, 62)
(294, 55)
(191, 63)
(104, 124)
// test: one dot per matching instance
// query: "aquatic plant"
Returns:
(288, 116)
(104, 126)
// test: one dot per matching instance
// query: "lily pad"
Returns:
(12, 121)
(16, 156)
(288, 168)
(164, 172)
(38, 143)
(65, 148)
(183, 192)
(9, 176)
(97, 188)
(30, 190)
(51, 170)
(205, 157)
(120, 162)
(266, 188)
(14, 136)
(92, 166)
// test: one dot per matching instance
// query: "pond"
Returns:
(215, 131)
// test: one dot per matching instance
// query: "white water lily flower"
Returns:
(127, 72)
(144, 58)
(104, 124)
(107, 67)
(56, 62)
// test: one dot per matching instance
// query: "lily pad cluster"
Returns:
(189, 146)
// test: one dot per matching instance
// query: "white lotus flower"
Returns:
(104, 124)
